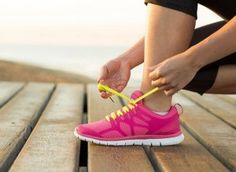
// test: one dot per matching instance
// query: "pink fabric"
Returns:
(139, 123)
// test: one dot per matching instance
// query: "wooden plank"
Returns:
(229, 98)
(110, 158)
(52, 145)
(220, 108)
(18, 117)
(188, 156)
(218, 137)
(8, 90)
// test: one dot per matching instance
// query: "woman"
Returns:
(175, 57)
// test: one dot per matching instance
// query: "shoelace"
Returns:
(132, 103)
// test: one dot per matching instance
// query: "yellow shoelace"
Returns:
(130, 106)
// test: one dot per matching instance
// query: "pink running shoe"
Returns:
(134, 125)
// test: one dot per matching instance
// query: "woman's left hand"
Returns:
(173, 74)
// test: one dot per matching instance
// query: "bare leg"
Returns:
(225, 82)
(168, 32)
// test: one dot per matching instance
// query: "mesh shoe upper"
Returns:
(137, 123)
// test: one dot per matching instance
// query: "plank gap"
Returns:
(208, 110)
(152, 158)
(53, 143)
(83, 160)
(147, 149)
(112, 158)
(202, 142)
(12, 96)
(179, 158)
(83, 157)
(24, 135)
(83, 169)
(85, 106)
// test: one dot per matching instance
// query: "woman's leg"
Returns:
(217, 77)
(225, 82)
(168, 32)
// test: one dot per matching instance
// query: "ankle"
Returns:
(158, 105)
(158, 101)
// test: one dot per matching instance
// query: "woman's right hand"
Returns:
(115, 74)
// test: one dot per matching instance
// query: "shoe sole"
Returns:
(150, 142)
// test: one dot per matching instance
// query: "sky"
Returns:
(77, 22)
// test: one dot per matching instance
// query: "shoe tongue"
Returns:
(136, 94)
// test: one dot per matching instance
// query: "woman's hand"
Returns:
(174, 73)
(115, 74)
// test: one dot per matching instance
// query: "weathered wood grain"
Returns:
(188, 156)
(217, 136)
(229, 98)
(8, 90)
(220, 108)
(52, 145)
(110, 158)
(18, 117)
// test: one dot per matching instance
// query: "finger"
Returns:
(121, 85)
(104, 83)
(171, 91)
(165, 87)
(120, 88)
(101, 82)
(108, 94)
(160, 82)
(105, 95)
(155, 74)
(103, 73)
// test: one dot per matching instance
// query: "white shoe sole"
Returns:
(150, 142)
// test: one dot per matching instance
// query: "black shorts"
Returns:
(205, 77)
(225, 8)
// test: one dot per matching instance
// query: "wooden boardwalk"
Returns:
(37, 122)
